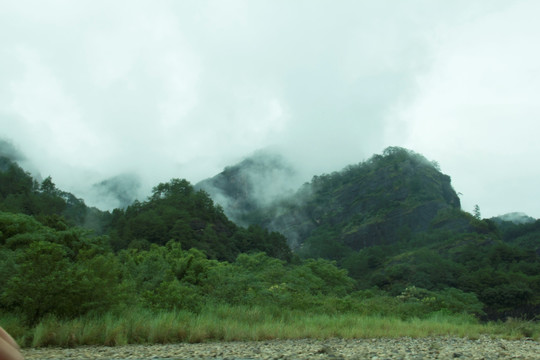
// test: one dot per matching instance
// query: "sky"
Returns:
(153, 90)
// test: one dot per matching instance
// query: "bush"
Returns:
(47, 279)
(174, 295)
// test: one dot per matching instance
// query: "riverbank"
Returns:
(380, 348)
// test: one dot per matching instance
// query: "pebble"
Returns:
(484, 348)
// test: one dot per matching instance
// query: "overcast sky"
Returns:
(163, 89)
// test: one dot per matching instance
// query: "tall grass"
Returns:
(228, 323)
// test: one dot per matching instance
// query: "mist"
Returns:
(8, 150)
(262, 179)
(117, 192)
(112, 98)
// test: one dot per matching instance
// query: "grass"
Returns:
(241, 323)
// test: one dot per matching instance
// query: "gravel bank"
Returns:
(402, 348)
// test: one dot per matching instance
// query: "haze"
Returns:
(151, 90)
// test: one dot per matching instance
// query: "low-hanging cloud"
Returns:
(9, 151)
(476, 110)
(94, 89)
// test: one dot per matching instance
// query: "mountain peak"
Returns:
(254, 183)
(378, 201)
(515, 217)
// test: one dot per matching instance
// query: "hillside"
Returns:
(395, 223)
(251, 185)
(385, 234)
(21, 193)
(381, 201)
(174, 211)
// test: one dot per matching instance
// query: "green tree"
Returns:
(44, 279)
(175, 211)
(476, 212)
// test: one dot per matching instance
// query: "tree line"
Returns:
(178, 250)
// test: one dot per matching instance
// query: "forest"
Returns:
(383, 238)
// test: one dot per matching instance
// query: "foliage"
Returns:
(175, 211)
(71, 273)
(387, 199)
(66, 273)
(20, 193)
(383, 237)
(249, 323)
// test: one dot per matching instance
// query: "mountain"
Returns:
(9, 152)
(380, 201)
(251, 185)
(177, 212)
(515, 218)
(117, 192)
(394, 222)
(21, 193)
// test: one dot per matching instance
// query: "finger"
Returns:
(8, 351)
(4, 335)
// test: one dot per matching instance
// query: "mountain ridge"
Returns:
(393, 223)
(379, 199)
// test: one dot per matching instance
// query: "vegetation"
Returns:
(175, 211)
(237, 323)
(71, 273)
(394, 221)
(383, 200)
(20, 193)
(381, 249)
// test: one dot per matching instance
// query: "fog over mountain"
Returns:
(516, 218)
(255, 182)
(117, 192)
(101, 94)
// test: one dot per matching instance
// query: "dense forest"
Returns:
(386, 236)
(395, 221)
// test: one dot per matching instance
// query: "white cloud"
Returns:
(93, 89)
(477, 111)
(44, 108)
